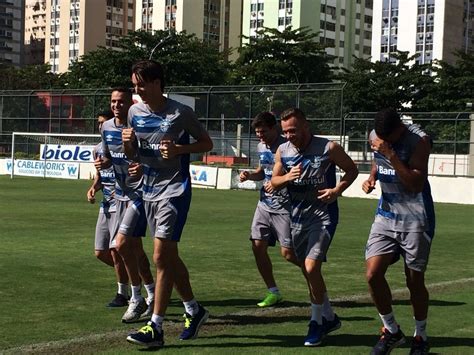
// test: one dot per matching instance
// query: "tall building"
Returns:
(12, 24)
(75, 27)
(344, 26)
(35, 31)
(214, 21)
(431, 29)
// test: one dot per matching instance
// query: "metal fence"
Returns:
(227, 112)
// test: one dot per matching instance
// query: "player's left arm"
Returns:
(413, 175)
(346, 164)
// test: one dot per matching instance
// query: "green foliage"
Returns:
(186, 61)
(31, 77)
(274, 57)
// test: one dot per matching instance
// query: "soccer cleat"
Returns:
(330, 326)
(134, 310)
(148, 336)
(150, 302)
(270, 299)
(118, 301)
(192, 324)
(419, 346)
(388, 342)
(315, 334)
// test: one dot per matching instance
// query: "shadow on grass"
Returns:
(249, 303)
(434, 303)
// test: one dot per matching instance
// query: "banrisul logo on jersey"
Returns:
(77, 153)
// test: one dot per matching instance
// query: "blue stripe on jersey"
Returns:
(149, 124)
(393, 197)
(387, 178)
(113, 137)
(149, 152)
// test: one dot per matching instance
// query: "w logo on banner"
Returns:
(72, 170)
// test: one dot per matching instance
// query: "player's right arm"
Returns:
(279, 176)
(369, 185)
(96, 185)
(257, 175)
(130, 145)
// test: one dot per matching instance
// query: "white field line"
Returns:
(83, 340)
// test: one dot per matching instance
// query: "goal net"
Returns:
(67, 156)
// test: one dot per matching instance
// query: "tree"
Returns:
(372, 86)
(31, 77)
(274, 57)
(186, 60)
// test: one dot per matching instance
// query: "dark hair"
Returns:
(266, 119)
(148, 71)
(108, 114)
(386, 121)
(292, 112)
(123, 90)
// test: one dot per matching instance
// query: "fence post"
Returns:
(471, 146)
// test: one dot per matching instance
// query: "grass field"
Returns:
(53, 291)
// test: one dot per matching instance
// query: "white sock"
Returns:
(389, 322)
(274, 290)
(420, 329)
(191, 307)
(136, 293)
(158, 320)
(122, 289)
(150, 290)
(317, 313)
(328, 313)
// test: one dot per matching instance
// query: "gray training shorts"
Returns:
(130, 218)
(312, 241)
(104, 229)
(414, 247)
(271, 227)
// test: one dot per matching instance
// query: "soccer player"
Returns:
(271, 220)
(130, 221)
(404, 225)
(302, 165)
(159, 138)
(104, 239)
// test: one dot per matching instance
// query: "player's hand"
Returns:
(244, 176)
(268, 187)
(168, 149)
(328, 195)
(98, 163)
(91, 195)
(128, 135)
(135, 169)
(383, 147)
(294, 173)
(368, 186)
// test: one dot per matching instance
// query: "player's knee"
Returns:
(99, 254)
(259, 248)
(374, 276)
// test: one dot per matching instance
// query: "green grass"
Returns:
(52, 288)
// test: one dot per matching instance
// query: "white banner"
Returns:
(59, 170)
(203, 175)
(64, 152)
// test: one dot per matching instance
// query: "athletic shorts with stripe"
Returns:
(104, 229)
(414, 247)
(166, 217)
(130, 218)
(312, 241)
(271, 227)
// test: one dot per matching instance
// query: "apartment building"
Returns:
(344, 26)
(35, 31)
(214, 21)
(431, 29)
(75, 27)
(12, 24)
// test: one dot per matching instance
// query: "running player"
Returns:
(271, 221)
(302, 165)
(404, 225)
(130, 221)
(159, 138)
(104, 239)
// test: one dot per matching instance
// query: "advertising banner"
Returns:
(203, 175)
(65, 152)
(61, 170)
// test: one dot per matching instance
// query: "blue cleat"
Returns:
(148, 336)
(315, 334)
(331, 325)
(192, 324)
